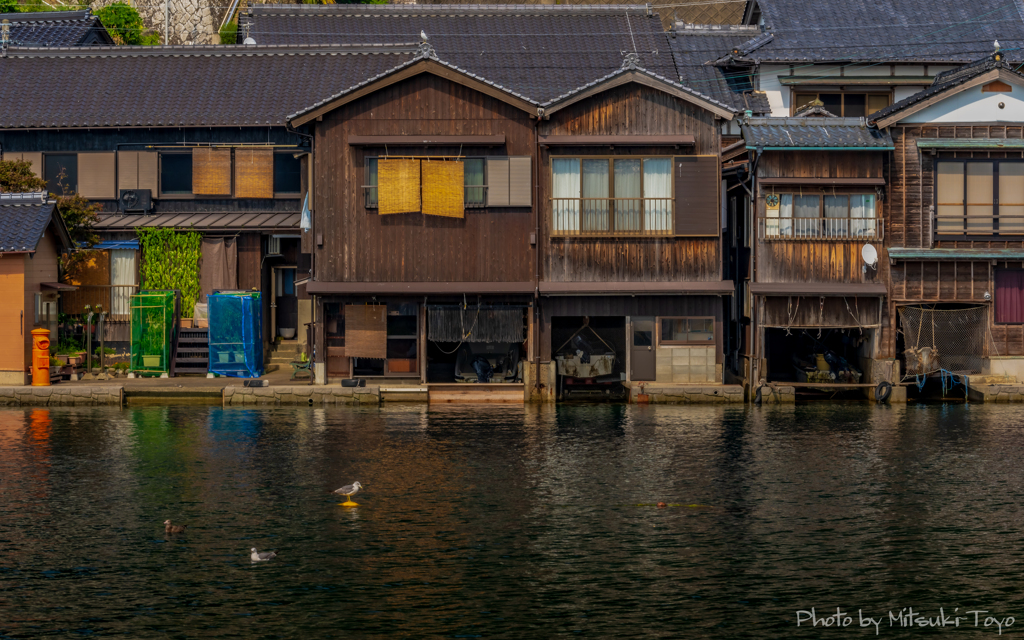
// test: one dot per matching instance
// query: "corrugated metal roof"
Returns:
(203, 221)
(969, 143)
(900, 253)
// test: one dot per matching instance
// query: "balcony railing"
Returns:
(612, 216)
(819, 228)
(951, 227)
(116, 300)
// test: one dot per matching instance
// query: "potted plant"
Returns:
(55, 366)
(153, 343)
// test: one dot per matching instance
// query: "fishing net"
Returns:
(952, 340)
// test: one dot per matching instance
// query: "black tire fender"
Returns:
(883, 391)
(757, 396)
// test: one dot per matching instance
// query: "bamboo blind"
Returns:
(443, 186)
(398, 186)
(254, 173)
(366, 329)
(97, 177)
(211, 171)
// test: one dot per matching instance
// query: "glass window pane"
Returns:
(658, 194)
(565, 193)
(806, 211)
(287, 173)
(950, 206)
(61, 173)
(862, 212)
(628, 190)
(371, 181)
(473, 169)
(805, 98)
(595, 195)
(642, 338)
(1011, 197)
(833, 102)
(855, 105)
(837, 208)
(701, 330)
(176, 173)
(979, 178)
(876, 102)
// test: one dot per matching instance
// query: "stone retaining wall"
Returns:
(300, 395)
(62, 396)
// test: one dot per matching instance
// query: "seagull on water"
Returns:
(264, 556)
(174, 528)
(348, 491)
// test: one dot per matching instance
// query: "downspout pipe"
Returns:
(536, 251)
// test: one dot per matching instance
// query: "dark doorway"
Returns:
(642, 362)
(286, 303)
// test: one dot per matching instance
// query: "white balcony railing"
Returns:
(819, 228)
(612, 216)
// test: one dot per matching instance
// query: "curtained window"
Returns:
(612, 196)
(122, 281)
(565, 193)
(1009, 299)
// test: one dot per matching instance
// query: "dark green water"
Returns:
(509, 523)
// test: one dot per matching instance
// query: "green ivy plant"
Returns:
(125, 25)
(170, 260)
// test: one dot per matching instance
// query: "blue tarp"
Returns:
(117, 244)
(236, 333)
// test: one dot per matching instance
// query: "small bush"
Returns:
(228, 33)
(125, 25)
(8, 6)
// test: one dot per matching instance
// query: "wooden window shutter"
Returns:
(211, 171)
(33, 158)
(444, 186)
(366, 331)
(149, 171)
(398, 186)
(520, 181)
(97, 175)
(497, 182)
(697, 186)
(254, 173)
(127, 170)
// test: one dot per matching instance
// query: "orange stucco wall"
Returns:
(12, 320)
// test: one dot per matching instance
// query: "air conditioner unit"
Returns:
(273, 246)
(135, 200)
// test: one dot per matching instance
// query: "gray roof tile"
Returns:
(814, 132)
(23, 219)
(180, 86)
(536, 51)
(953, 31)
(56, 29)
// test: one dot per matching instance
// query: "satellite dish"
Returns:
(869, 254)
(249, 41)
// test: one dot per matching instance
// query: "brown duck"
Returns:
(174, 528)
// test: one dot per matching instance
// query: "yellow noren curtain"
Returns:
(443, 186)
(211, 171)
(398, 186)
(254, 173)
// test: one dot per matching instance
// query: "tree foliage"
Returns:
(125, 26)
(8, 6)
(16, 177)
(170, 260)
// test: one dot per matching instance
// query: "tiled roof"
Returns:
(537, 51)
(952, 31)
(23, 219)
(948, 80)
(816, 132)
(202, 221)
(696, 47)
(56, 29)
(180, 86)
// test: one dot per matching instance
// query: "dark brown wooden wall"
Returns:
(911, 198)
(628, 110)
(359, 245)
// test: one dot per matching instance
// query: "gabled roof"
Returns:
(695, 49)
(814, 133)
(428, 62)
(179, 86)
(538, 51)
(56, 29)
(950, 31)
(24, 218)
(979, 72)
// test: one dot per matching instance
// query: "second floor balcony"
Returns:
(819, 228)
(612, 216)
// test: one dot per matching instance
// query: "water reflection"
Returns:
(504, 521)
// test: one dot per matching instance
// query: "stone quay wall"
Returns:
(300, 395)
(62, 396)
